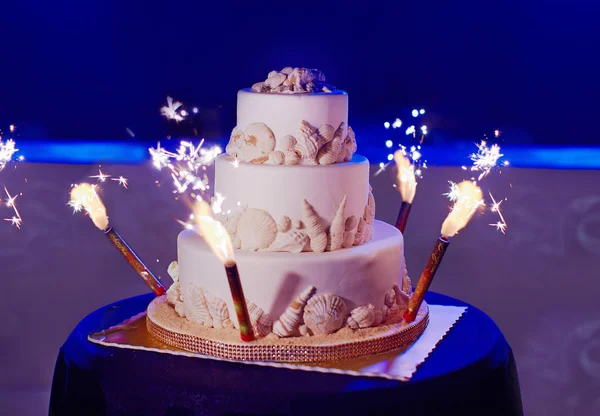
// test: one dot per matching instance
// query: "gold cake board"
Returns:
(165, 325)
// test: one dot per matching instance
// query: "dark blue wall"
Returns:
(90, 69)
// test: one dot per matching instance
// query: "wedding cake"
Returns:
(316, 268)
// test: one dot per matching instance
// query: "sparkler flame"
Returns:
(468, 201)
(495, 207)
(407, 184)
(213, 232)
(84, 196)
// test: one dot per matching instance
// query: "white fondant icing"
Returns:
(360, 275)
(284, 113)
(281, 190)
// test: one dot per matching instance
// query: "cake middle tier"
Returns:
(295, 208)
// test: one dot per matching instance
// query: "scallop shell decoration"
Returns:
(324, 314)
(260, 136)
(314, 228)
(291, 241)
(307, 145)
(326, 133)
(362, 317)
(218, 311)
(235, 141)
(337, 227)
(286, 143)
(261, 322)
(173, 270)
(256, 229)
(276, 157)
(290, 321)
(197, 307)
(275, 79)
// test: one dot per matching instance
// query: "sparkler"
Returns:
(485, 159)
(85, 197)
(219, 241)
(16, 219)
(469, 200)
(122, 181)
(186, 164)
(7, 150)
(170, 110)
(101, 176)
(495, 207)
(407, 185)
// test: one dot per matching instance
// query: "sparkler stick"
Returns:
(219, 241)
(84, 196)
(407, 186)
(468, 201)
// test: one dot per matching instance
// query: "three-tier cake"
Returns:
(322, 278)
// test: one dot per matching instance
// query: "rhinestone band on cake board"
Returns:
(389, 337)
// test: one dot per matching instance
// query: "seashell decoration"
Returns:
(287, 70)
(260, 136)
(370, 209)
(284, 224)
(349, 145)
(348, 239)
(307, 145)
(359, 236)
(362, 317)
(174, 293)
(326, 132)
(290, 321)
(297, 224)
(236, 140)
(378, 314)
(236, 242)
(337, 227)
(324, 314)
(351, 223)
(330, 152)
(276, 157)
(286, 143)
(406, 283)
(218, 311)
(256, 229)
(180, 309)
(385, 313)
(291, 241)
(401, 297)
(291, 157)
(261, 322)
(303, 329)
(275, 79)
(314, 228)
(173, 270)
(389, 298)
(197, 308)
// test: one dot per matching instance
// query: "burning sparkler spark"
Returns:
(186, 164)
(397, 123)
(495, 207)
(7, 150)
(122, 181)
(485, 159)
(454, 192)
(16, 219)
(170, 110)
(468, 201)
(101, 176)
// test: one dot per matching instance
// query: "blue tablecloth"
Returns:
(471, 372)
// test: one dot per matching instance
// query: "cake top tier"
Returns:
(294, 81)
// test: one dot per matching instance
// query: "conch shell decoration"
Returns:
(289, 322)
(324, 145)
(261, 322)
(314, 228)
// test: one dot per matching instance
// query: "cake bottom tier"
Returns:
(333, 283)
(168, 327)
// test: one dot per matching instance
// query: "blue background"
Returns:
(91, 69)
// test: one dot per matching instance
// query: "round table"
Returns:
(471, 372)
